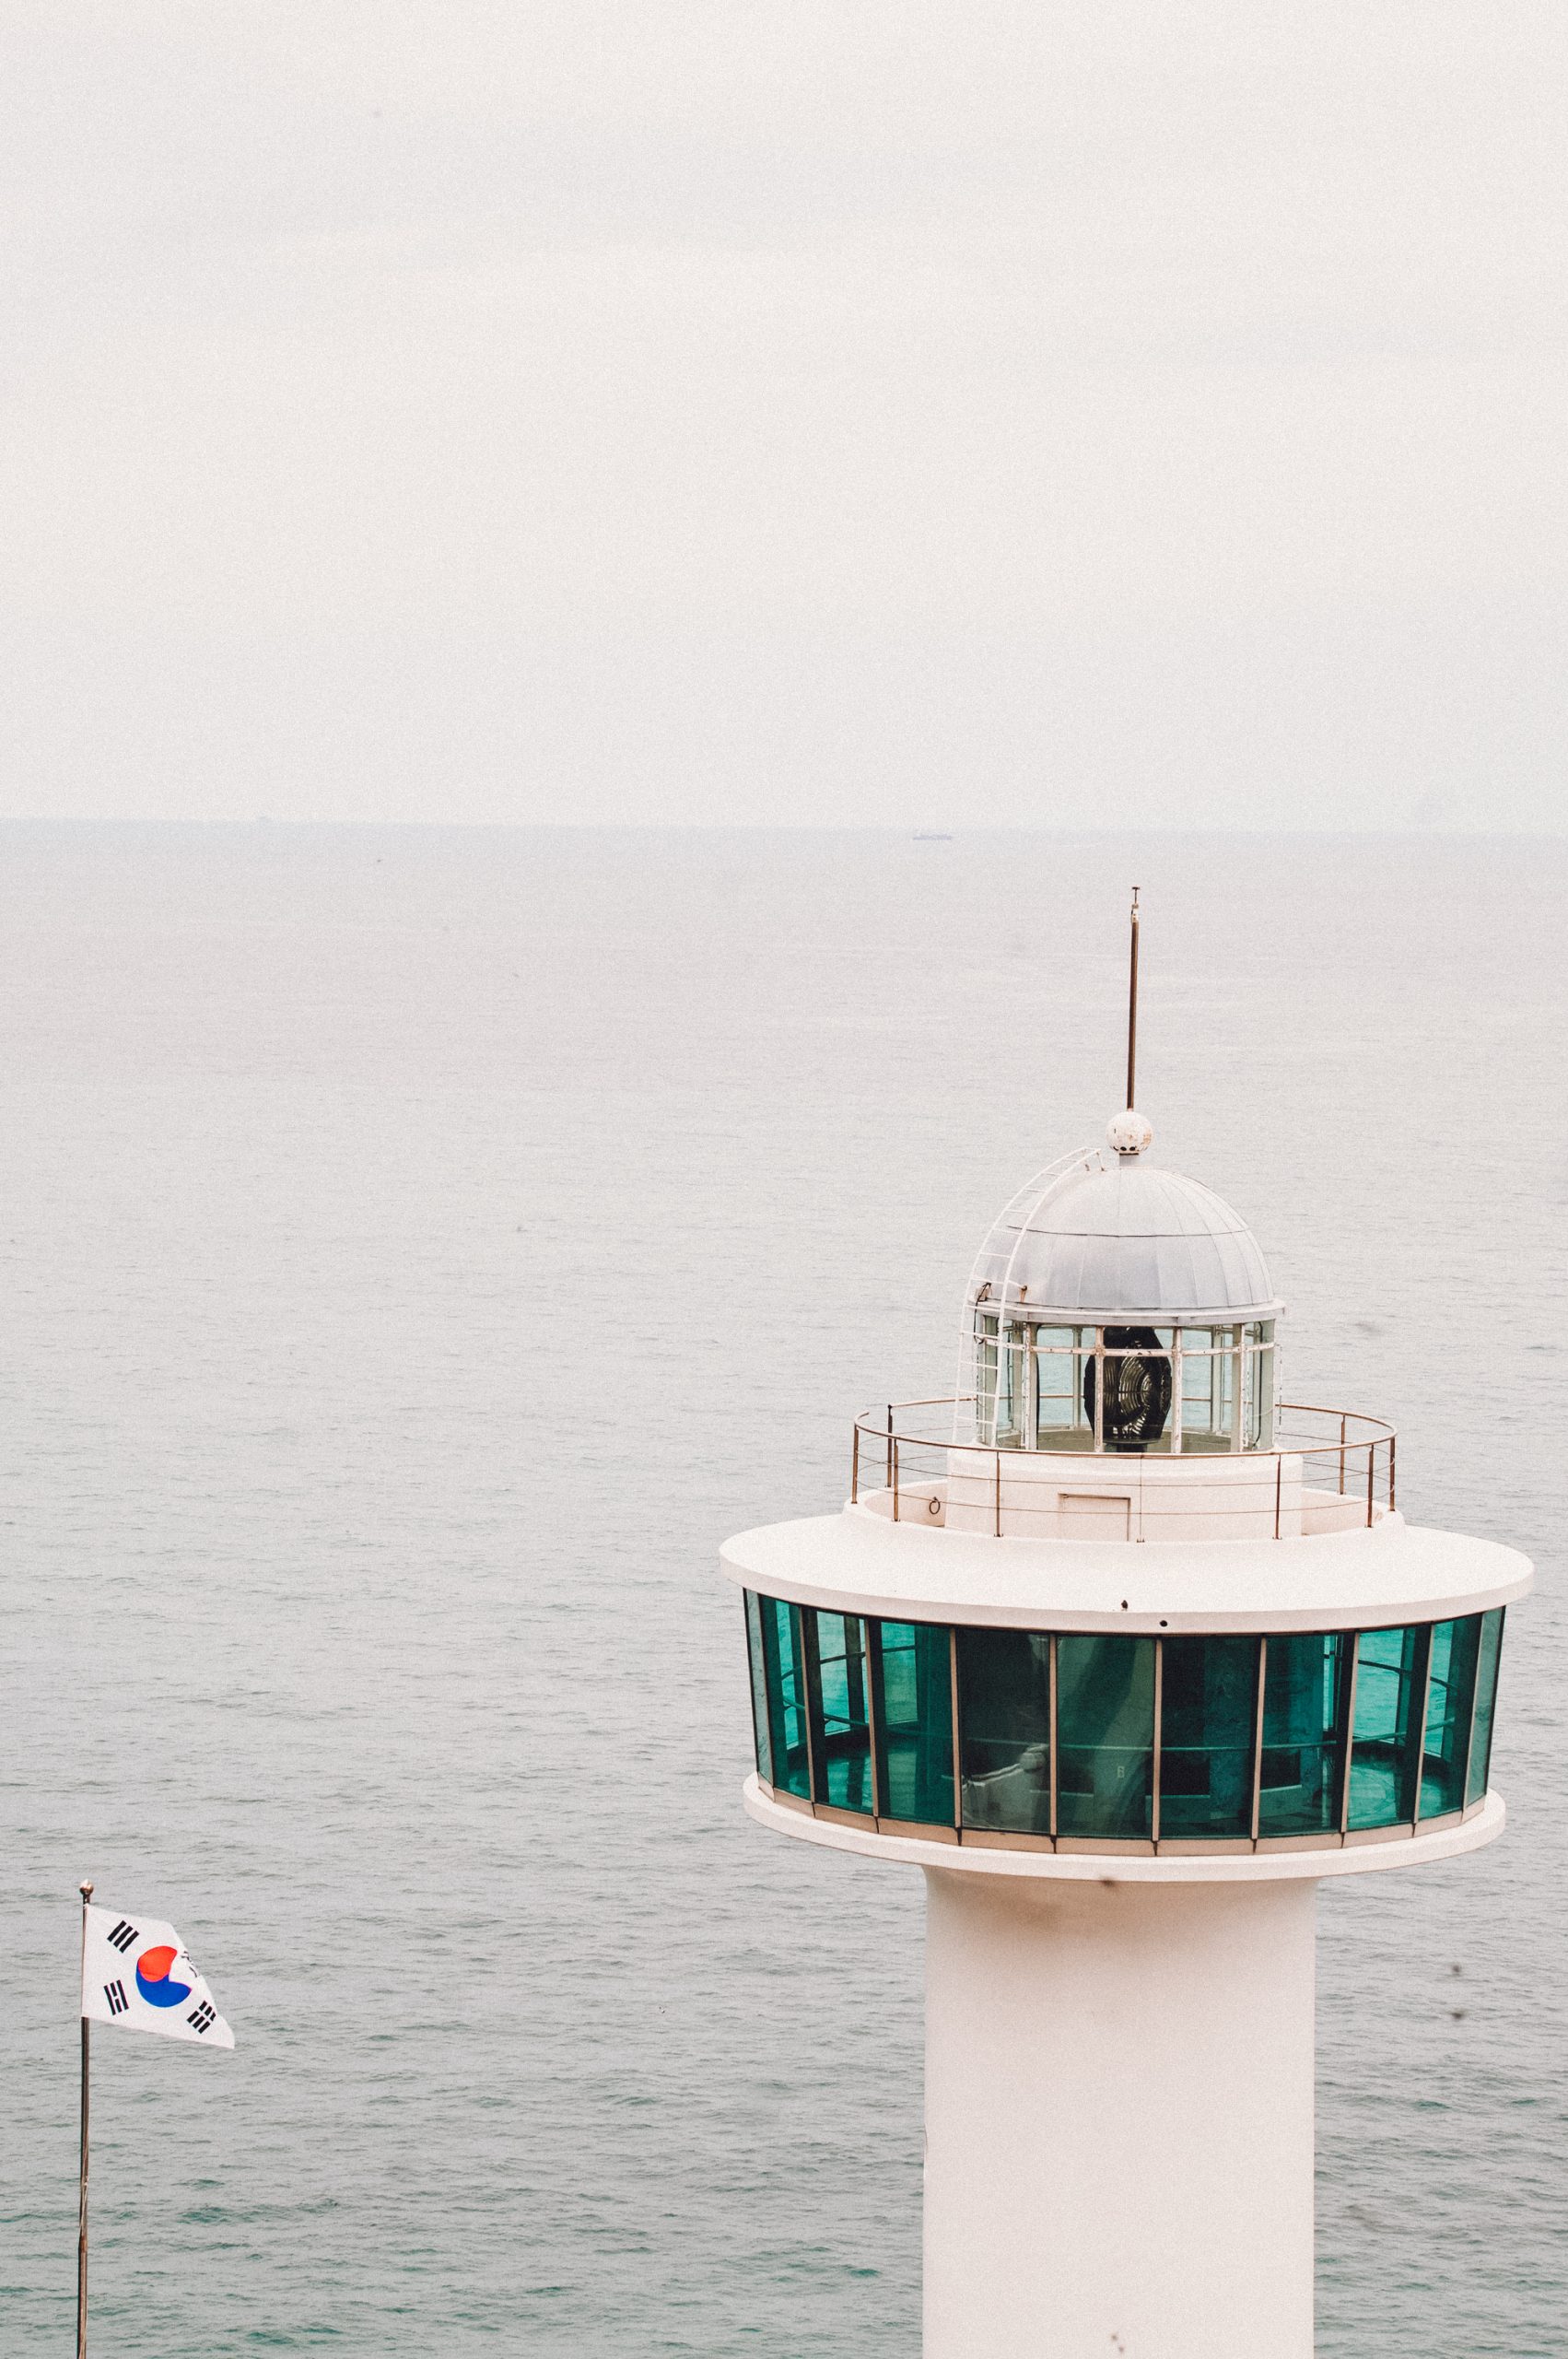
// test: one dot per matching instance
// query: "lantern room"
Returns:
(1118, 1309)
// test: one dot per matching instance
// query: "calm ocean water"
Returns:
(422, 1248)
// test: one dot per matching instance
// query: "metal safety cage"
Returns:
(1337, 1468)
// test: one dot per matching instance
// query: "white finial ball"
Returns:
(1128, 1132)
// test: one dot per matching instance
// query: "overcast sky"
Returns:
(1104, 414)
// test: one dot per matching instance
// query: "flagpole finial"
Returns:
(85, 1891)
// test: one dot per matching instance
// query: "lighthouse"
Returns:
(1126, 1653)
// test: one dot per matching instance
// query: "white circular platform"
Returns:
(859, 1562)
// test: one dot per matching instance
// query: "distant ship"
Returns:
(934, 836)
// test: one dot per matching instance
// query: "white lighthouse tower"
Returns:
(1126, 1653)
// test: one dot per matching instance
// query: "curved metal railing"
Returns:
(1335, 1474)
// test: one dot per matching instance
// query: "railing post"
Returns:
(1342, 1453)
(892, 1447)
(855, 1468)
(1393, 1446)
(996, 1458)
(1279, 1486)
(1370, 1472)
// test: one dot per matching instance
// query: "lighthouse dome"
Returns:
(1106, 1234)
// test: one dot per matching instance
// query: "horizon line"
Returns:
(907, 830)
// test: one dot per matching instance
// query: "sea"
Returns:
(423, 1246)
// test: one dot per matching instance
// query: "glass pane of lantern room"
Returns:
(1258, 1374)
(841, 1732)
(912, 1675)
(1059, 1421)
(1390, 1683)
(985, 1377)
(784, 1670)
(1306, 1691)
(1450, 1700)
(1011, 1387)
(1208, 1734)
(759, 1687)
(1105, 1736)
(1208, 1388)
(1486, 1700)
(1004, 1720)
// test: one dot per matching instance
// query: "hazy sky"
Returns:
(1100, 415)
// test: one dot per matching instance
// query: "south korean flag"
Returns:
(136, 1972)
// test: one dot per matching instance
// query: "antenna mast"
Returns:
(1132, 1009)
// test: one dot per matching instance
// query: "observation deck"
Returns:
(1331, 1470)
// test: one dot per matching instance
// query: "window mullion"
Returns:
(1354, 1637)
(1257, 1738)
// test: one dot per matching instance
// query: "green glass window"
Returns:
(858, 1716)
(1486, 1705)
(783, 1663)
(1450, 1706)
(1105, 1735)
(1391, 1685)
(759, 1688)
(912, 1691)
(1005, 1720)
(1305, 1692)
(1208, 1736)
(839, 1688)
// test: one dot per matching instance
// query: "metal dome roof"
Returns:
(1104, 1236)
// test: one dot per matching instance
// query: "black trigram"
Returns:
(115, 1994)
(122, 1937)
(202, 2018)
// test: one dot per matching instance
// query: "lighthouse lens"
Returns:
(1138, 1389)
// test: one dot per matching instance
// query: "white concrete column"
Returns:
(1119, 2119)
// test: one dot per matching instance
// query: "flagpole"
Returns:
(85, 1891)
